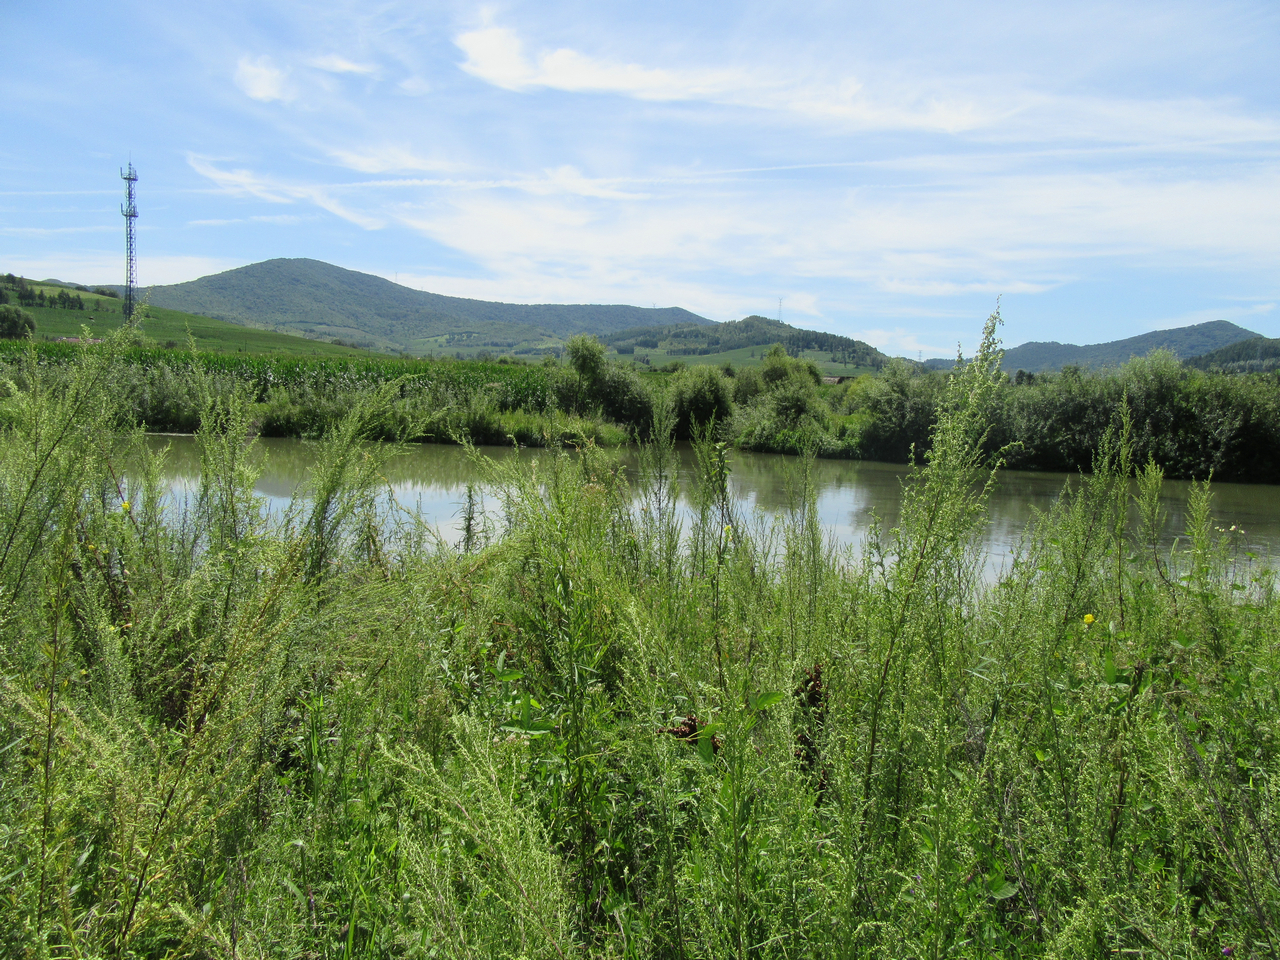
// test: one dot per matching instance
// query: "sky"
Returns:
(884, 171)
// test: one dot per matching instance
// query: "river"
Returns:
(431, 479)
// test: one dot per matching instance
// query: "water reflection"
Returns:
(431, 480)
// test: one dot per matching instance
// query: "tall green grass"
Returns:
(598, 730)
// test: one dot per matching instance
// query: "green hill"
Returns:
(689, 340)
(319, 299)
(1259, 355)
(1183, 342)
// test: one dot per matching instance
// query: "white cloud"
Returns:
(260, 79)
(333, 63)
(496, 55)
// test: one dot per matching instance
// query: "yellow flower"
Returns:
(1088, 619)
(125, 506)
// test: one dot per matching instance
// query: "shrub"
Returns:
(16, 323)
(699, 395)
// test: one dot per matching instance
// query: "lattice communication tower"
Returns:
(130, 210)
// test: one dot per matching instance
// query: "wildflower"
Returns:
(124, 506)
(1088, 619)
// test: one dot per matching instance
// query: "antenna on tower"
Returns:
(130, 210)
(779, 309)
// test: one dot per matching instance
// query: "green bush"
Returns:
(699, 395)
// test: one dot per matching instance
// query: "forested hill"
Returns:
(323, 300)
(698, 340)
(1245, 356)
(1182, 342)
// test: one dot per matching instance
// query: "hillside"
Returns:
(1183, 342)
(689, 340)
(319, 299)
(165, 327)
(1245, 356)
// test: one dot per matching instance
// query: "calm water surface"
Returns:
(431, 479)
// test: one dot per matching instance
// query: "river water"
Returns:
(431, 480)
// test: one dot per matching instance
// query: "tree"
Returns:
(16, 323)
(586, 356)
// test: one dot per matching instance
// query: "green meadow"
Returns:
(597, 730)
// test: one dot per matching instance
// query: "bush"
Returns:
(699, 395)
(16, 323)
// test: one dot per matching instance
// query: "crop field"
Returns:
(597, 731)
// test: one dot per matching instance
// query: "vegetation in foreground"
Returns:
(595, 731)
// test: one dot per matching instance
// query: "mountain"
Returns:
(693, 340)
(1183, 342)
(321, 300)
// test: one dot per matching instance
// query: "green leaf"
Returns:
(535, 728)
(766, 700)
(927, 838)
(1002, 889)
(706, 742)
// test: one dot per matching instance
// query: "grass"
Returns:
(597, 731)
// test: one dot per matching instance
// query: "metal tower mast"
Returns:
(130, 210)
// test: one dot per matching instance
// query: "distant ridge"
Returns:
(322, 300)
(1182, 342)
(690, 340)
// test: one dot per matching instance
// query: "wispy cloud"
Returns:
(333, 63)
(242, 182)
(260, 79)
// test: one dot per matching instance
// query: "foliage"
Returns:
(1256, 355)
(700, 395)
(16, 323)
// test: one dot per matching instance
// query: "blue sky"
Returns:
(886, 171)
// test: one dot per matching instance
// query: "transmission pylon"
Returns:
(130, 210)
